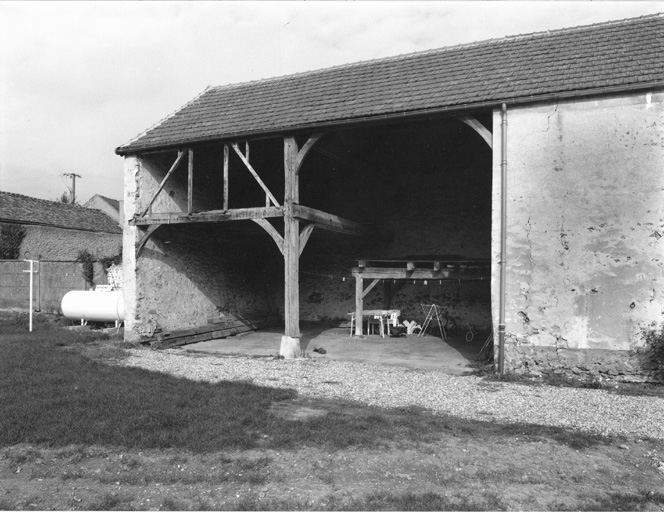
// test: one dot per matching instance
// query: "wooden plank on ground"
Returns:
(218, 327)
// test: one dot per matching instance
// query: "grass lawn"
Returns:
(79, 432)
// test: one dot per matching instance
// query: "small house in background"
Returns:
(54, 234)
(538, 155)
(111, 207)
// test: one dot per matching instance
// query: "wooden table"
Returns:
(381, 314)
(451, 268)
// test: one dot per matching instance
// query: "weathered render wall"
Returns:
(183, 276)
(585, 219)
(45, 242)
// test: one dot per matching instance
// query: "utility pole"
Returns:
(73, 177)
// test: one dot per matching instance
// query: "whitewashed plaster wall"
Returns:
(585, 220)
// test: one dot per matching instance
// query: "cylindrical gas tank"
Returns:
(93, 306)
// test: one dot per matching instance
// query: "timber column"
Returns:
(290, 341)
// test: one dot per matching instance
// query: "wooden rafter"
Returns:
(254, 174)
(163, 182)
(482, 130)
(328, 221)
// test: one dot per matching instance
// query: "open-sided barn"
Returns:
(516, 182)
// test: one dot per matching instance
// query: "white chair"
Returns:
(373, 322)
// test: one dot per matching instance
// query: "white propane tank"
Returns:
(93, 306)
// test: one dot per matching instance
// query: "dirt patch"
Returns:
(292, 411)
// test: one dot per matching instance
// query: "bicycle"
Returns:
(471, 331)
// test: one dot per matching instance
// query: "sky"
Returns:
(80, 78)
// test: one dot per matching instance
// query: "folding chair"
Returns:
(430, 311)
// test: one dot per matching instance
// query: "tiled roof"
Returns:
(113, 202)
(30, 210)
(607, 57)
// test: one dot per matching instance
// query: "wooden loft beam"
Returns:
(209, 216)
(328, 221)
(402, 273)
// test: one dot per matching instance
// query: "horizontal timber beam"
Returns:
(209, 216)
(402, 273)
(328, 221)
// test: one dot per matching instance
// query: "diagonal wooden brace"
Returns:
(271, 230)
(254, 174)
(146, 236)
(479, 128)
(163, 182)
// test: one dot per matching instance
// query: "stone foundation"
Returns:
(580, 364)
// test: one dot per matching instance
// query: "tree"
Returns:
(64, 198)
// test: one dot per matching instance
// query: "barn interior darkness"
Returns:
(423, 187)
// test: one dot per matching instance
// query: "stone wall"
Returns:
(50, 243)
(594, 366)
(585, 220)
(188, 273)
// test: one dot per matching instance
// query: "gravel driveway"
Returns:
(589, 410)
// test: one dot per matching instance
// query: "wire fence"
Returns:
(51, 281)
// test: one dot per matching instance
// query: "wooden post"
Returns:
(190, 183)
(359, 304)
(225, 177)
(290, 342)
(387, 294)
